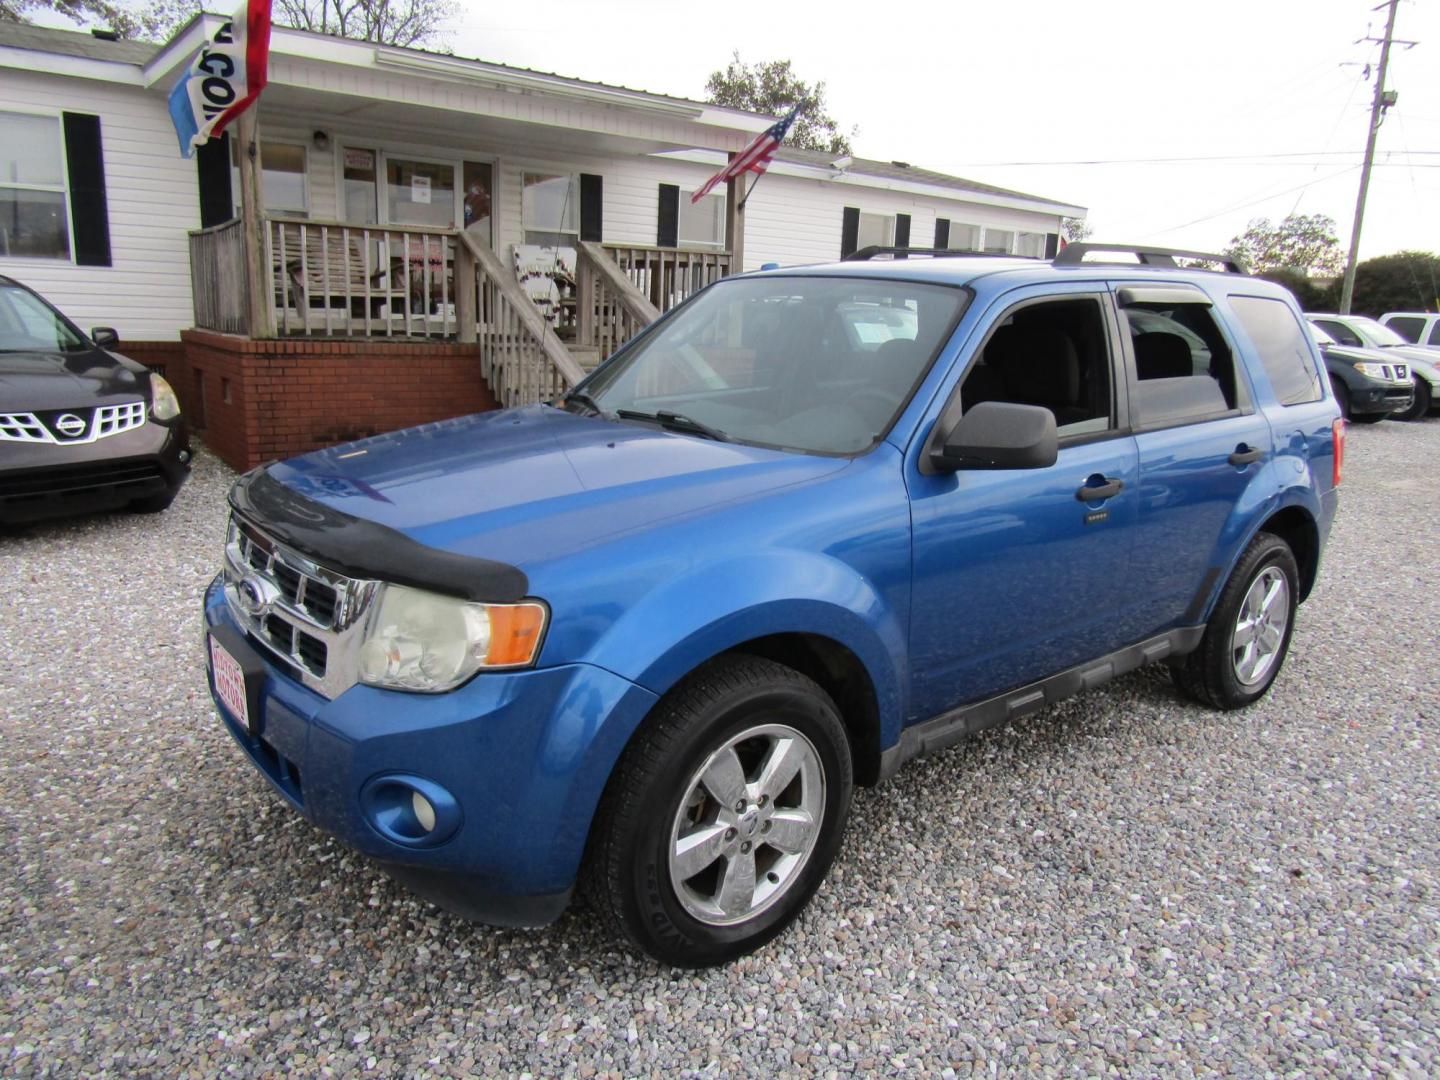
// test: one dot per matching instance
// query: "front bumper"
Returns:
(525, 755)
(1381, 398)
(39, 481)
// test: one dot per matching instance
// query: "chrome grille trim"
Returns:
(313, 621)
(100, 423)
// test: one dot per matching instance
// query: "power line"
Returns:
(1254, 202)
(1188, 159)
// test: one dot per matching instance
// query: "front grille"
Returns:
(302, 612)
(71, 426)
(73, 480)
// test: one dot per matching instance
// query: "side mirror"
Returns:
(998, 435)
(104, 337)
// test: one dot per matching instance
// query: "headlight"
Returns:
(164, 405)
(1374, 371)
(422, 641)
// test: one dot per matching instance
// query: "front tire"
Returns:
(1342, 396)
(724, 814)
(1421, 404)
(1248, 634)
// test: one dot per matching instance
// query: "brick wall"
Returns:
(156, 355)
(254, 401)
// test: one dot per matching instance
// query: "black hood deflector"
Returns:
(366, 549)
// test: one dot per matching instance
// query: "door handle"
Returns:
(1091, 492)
(1244, 455)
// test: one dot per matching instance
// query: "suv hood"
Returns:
(32, 381)
(527, 485)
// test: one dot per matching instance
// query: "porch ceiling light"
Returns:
(480, 74)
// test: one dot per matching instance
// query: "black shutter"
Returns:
(89, 213)
(667, 232)
(212, 167)
(849, 231)
(1052, 245)
(591, 207)
(902, 231)
(942, 233)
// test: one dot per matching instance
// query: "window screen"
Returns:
(32, 187)
(1280, 341)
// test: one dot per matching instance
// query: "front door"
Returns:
(1017, 572)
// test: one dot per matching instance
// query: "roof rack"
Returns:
(873, 250)
(1074, 254)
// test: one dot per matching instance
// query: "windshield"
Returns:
(1381, 335)
(28, 324)
(818, 364)
(1321, 336)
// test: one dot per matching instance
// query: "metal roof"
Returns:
(75, 43)
(894, 170)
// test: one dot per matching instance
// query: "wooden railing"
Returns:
(520, 356)
(668, 276)
(334, 279)
(217, 278)
(611, 309)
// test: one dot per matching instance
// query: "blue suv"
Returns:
(808, 526)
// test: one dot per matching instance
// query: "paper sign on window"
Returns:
(359, 159)
(420, 189)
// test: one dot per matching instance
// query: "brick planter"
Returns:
(255, 401)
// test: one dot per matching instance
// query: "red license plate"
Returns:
(230, 683)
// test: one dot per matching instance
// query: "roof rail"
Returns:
(873, 250)
(1074, 254)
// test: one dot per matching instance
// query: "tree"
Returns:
(387, 22)
(1076, 229)
(770, 87)
(1304, 242)
(1310, 294)
(1405, 281)
(84, 12)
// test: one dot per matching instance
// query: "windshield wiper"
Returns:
(673, 421)
(582, 398)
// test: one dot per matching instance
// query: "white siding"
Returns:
(153, 203)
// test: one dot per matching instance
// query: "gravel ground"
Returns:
(1125, 883)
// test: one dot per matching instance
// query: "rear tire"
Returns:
(1248, 634)
(1421, 405)
(724, 814)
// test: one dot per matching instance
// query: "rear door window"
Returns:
(1184, 367)
(1407, 326)
(1280, 342)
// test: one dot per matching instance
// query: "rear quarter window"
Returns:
(1279, 340)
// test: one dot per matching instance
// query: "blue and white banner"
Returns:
(225, 78)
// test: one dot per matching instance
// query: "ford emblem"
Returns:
(255, 595)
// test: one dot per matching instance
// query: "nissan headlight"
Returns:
(164, 405)
(422, 641)
(1373, 371)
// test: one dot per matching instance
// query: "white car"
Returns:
(1361, 331)
(1417, 327)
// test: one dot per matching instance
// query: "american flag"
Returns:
(754, 158)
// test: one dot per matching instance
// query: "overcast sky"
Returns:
(1276, 87)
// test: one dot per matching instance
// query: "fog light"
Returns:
(410, 810)
(424, 812)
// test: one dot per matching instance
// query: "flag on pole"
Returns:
(225, 78)
(754, 158)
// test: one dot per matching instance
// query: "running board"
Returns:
(949, 728)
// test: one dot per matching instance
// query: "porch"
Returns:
(538, 324)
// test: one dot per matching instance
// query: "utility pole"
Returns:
(1382, 101)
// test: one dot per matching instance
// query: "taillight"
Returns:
(1337, 434)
